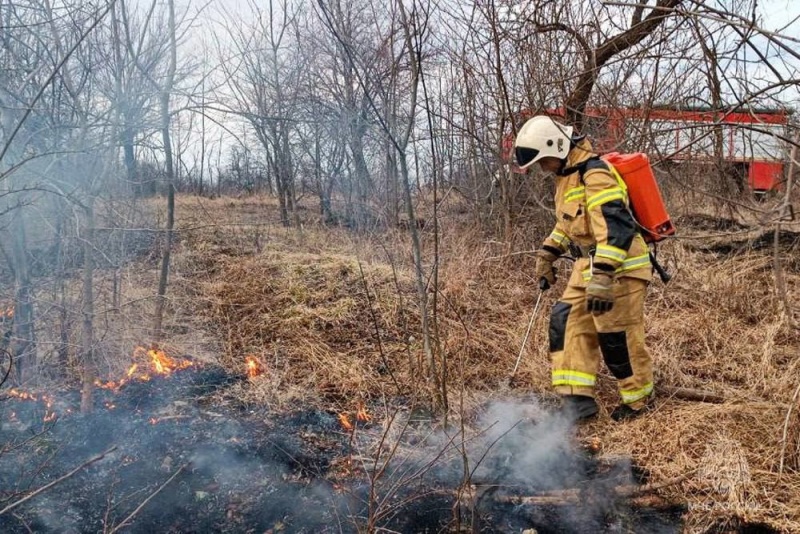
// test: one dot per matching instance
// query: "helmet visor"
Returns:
(525, 156)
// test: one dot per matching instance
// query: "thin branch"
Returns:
(52, 76)
(57, 481)
(746, 25)
(148, 499)
(377, 330)
(560, 27)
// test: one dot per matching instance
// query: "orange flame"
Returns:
(159, 362)
(345, 421)
(254, 368)
(49, 413)
(22, 395)
(363, 415)
(163, 364)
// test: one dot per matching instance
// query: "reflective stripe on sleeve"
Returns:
(608, 195)
(576, 193)
(566, 377)
(620, 181)
(632, 395)
(559, 237)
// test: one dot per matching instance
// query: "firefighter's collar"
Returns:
(580, 153)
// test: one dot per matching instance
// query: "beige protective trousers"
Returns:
(578, 339)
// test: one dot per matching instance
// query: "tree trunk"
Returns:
(422, 292)
(60, 294)
(507, 202)
(288, 172)
(166, 91)
(361, 173)
(87, 314)
(130, 162)
(163, 278)
(23, 346)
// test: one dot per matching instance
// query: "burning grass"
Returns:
(147, 363)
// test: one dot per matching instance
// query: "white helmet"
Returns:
(541, 137)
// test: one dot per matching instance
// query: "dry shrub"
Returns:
(732, 452)
(717, 325)
(306, 317)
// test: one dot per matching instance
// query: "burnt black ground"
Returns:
(240, 468)
(256, 471)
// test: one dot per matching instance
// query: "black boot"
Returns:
(578, 407)
(623, 412)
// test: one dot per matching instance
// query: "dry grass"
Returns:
(296, 300)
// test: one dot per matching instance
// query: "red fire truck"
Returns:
(751, 140)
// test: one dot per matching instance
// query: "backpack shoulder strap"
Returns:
(597, 163)
(585, 166)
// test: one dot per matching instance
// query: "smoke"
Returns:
(512, 448)
(510, 442)
(528, 451)
(523, 445)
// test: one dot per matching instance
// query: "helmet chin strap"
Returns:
(563, 170)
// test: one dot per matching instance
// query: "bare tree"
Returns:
(165, 93)
(265, 77)
(42, 135)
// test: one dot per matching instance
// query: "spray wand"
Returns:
(544, 285)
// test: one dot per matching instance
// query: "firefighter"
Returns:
(601, 312)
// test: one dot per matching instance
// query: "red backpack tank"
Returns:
(645, 198)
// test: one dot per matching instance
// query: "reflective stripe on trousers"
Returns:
(567, 377)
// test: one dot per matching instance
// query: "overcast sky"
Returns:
(781, 16)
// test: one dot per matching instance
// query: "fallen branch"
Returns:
(691, 394)
(638, 501)
(56, 481)
(637, 494)
(127, 520)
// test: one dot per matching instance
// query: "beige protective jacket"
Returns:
(592, 212)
